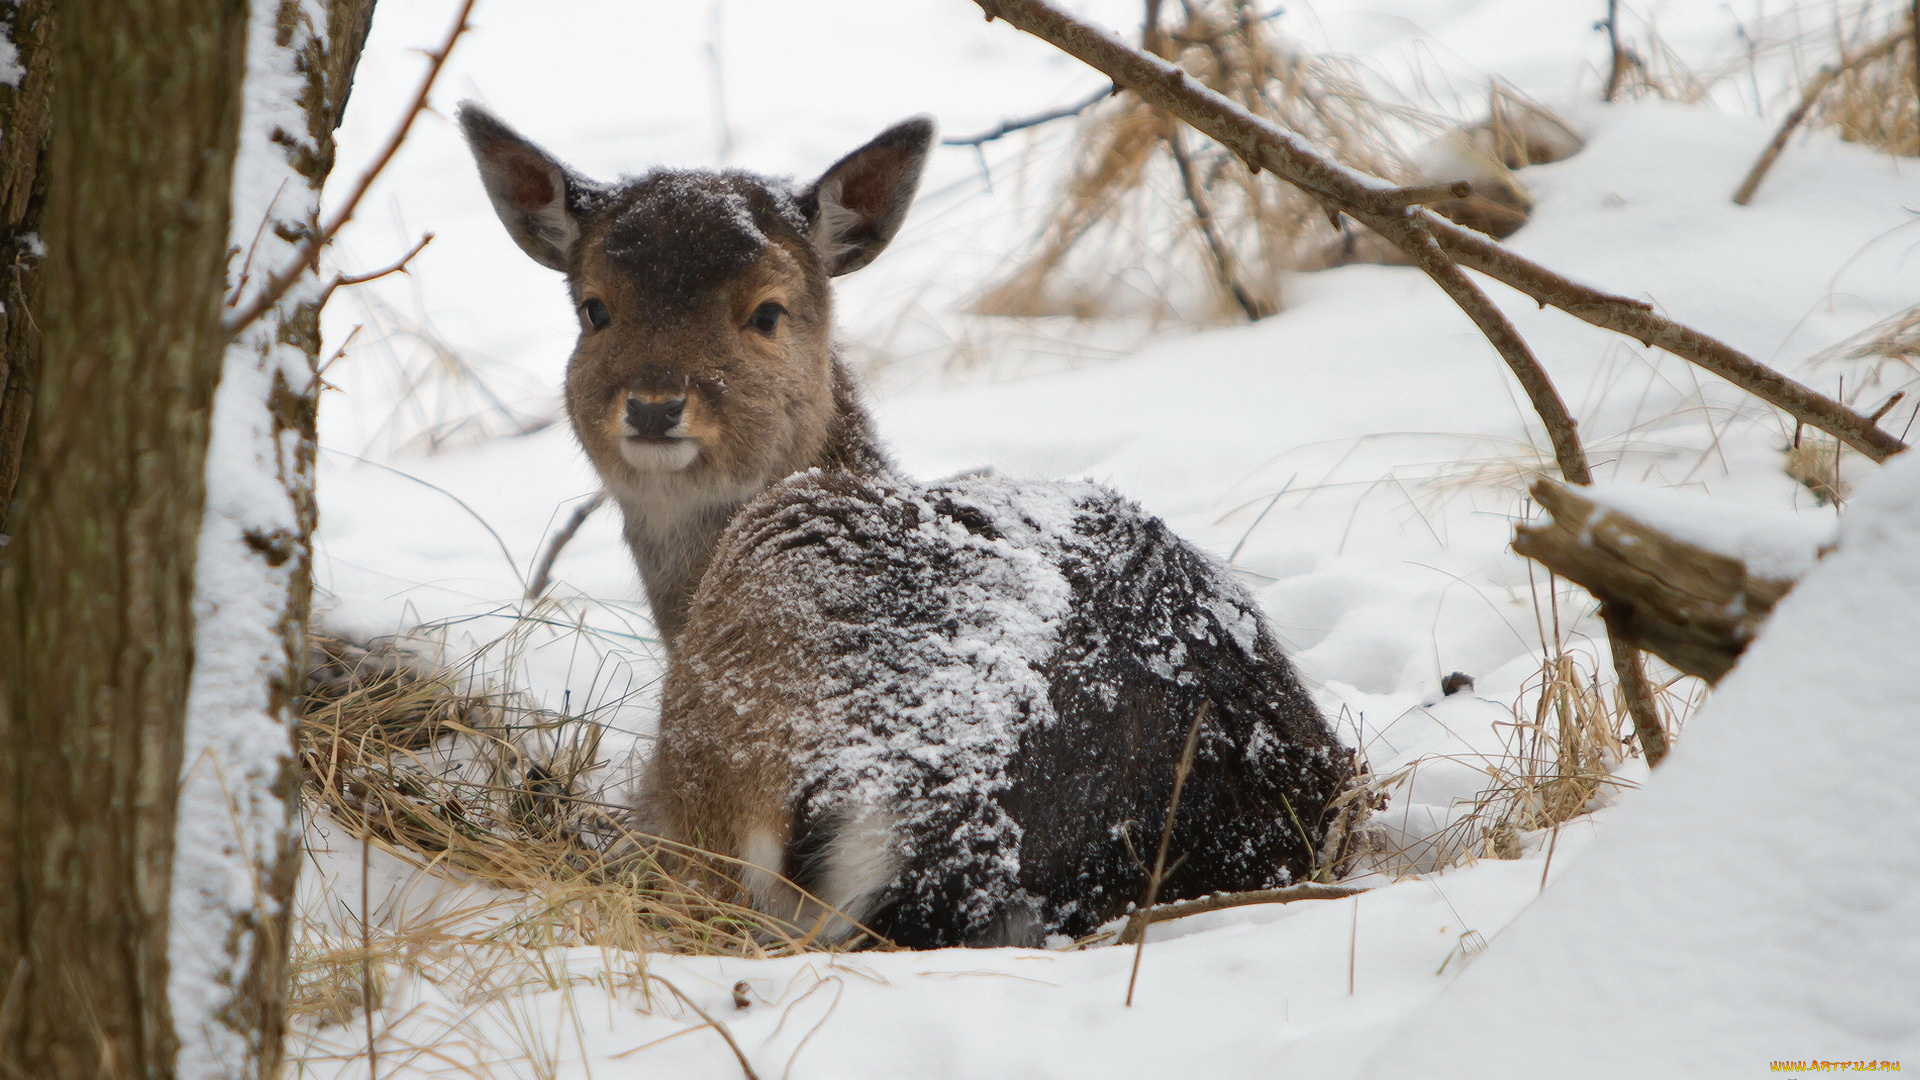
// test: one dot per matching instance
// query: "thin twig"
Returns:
(1136, 926)
(366, 960)
(745, 1067)
(1816, 89)
(397, 267)
(1203, 217)
(280, 281)
(1180, 772)
(1007, 127)
(1887, 406)
(1353, 945)
(579, 517)
(1264, 145)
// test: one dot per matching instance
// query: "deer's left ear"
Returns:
(857, 206)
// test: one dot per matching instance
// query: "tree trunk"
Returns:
(96, 629)
(238, 838)
(24, 117)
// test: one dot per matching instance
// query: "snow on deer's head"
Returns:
(704, 356)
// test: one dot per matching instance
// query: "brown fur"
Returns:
(953, 709)
(682, 261)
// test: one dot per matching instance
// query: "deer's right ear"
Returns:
(857, 207)
(528, 188)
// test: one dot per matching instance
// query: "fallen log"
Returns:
(1694, 608)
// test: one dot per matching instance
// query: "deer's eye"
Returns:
(595, 313)
(766, 318)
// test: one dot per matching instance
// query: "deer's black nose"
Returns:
(653, 419)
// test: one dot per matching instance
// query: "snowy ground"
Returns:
(1362, 457)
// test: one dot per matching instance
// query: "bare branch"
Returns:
(1382, 207)
(283, 279)
(1630, 675)
(1222, 901)
(1506, 340)
(1816, 89)
(398, 266)
(1209, 231)
(1008, 127)
(1430, 193)
(1622, 58)
(1637, 320)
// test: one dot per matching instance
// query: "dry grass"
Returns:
(1875, 103)
(1816, 461)
(1880, 368)
(1560, 759)
(1154, 220)
(477, 786)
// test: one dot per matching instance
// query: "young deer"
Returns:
(950, 712)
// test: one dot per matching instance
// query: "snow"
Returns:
(1773, 542)
(1755, 900)
(1363, 456)
(10, 70)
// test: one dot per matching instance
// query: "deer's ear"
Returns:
(528, 188)
(858, 205)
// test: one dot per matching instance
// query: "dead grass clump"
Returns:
(1814, 460)
(1560, 759)
(404, 754)
(1874, 98)
(1156, 219)
(1880, 368)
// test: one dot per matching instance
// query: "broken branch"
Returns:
(1696, 609)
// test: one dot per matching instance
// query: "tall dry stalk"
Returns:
(1177, 226)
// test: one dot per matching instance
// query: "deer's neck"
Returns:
(672, 528)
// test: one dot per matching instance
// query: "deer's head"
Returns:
(705, 351)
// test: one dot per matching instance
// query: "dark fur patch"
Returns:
(679, 234)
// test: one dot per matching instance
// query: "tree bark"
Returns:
(24, 118)
(237, 835)
(96, 629)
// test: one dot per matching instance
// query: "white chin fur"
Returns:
(648, 457)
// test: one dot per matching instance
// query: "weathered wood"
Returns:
(96, 586)
(1696, 609)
